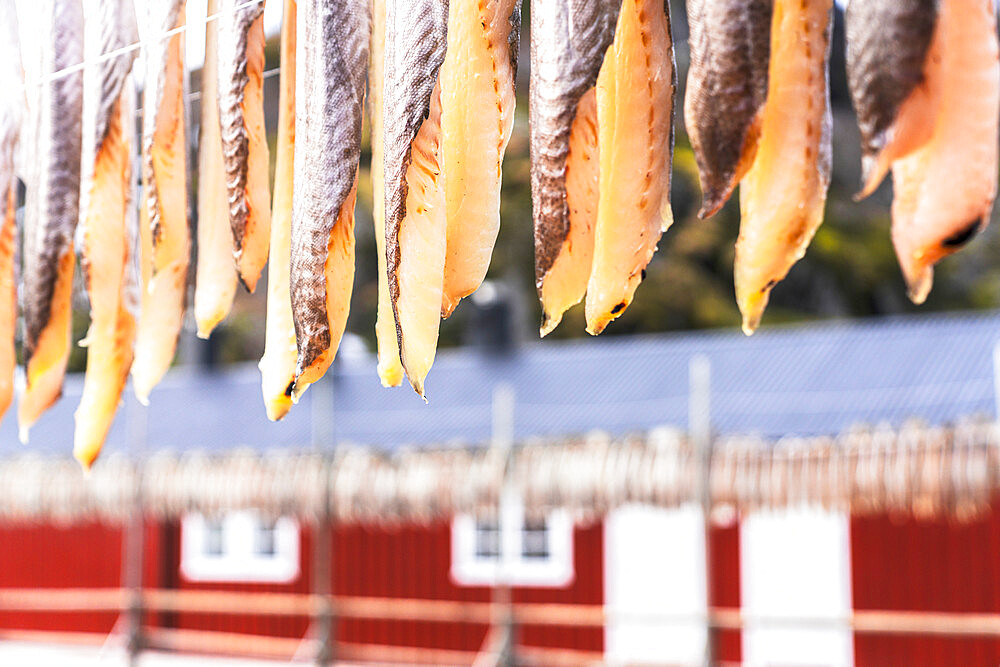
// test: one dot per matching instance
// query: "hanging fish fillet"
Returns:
(332, 67)
(106, 240)
(52, 208)
(943, 145)
(635, 114)
(215, 278)
(11, 80)
(568, 43)
(164, 237)
(277, 366)
(726, 89)
(887, 45)
(477, 116)
(415, 218)
(783, 194)
(244, 138)
(390, 370)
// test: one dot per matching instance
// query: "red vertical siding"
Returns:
(925, 566)
(724, 564)
(414, 562)
(81, 556)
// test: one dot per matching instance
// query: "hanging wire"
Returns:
(79, 67)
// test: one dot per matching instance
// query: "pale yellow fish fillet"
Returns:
(106, 251)
(634, 115)
(566, 281)
(339, 273)
(215, 277)
(783, 194)
(277, 366)
(390, 369)
(944, 190)
(165, 250)
(8, 299)
(477, 116)
(422, 242)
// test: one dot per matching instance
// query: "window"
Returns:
(239, 546)
(512, 549)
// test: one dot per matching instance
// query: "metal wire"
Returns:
(79, 67)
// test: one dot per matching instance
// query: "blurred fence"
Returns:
(914, 470)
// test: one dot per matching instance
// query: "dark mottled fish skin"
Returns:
(887, 44)
(568, 42)
(110, 25)
(11, 103)
(162, 17)
(514, 38)
(726, 87)
(332, 57)
(234, 25)
(416, 32)
(54, 188)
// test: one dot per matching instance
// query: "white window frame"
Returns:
(238, 561)
(511, 568)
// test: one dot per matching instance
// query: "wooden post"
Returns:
(324, 622)
(700, 432)
(503, 440)
(132, 548)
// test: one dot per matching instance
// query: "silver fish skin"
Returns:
(887, 44)
(416, 34)
(730, 46)
(234, 25)
(110, 25)
(332, 69)
(11, 103)
(568, 41)
(53, 198)
(161, 17)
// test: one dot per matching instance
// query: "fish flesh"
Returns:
(726, 90)
(390, 369)
(783, 193)
(564, 154)
(106, 238)
(277, 365)
(11, 80)
(332, 69)
(215, 276)
(887, 46)
(163, 225)
(52, 207)
(244, 138)
(943, 147)
(477, 116)
(415, 206)
(635, 133)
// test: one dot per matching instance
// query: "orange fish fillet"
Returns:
(215, 277)
(277, 366)
(244, 137)
(106, 252)
(164, 237)
(783, 194)
(339, 273)
(566, 281)
(477, 116)
(8, 300)
(634, 125)
(944, 190)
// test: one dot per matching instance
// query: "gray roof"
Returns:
(796, 380)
